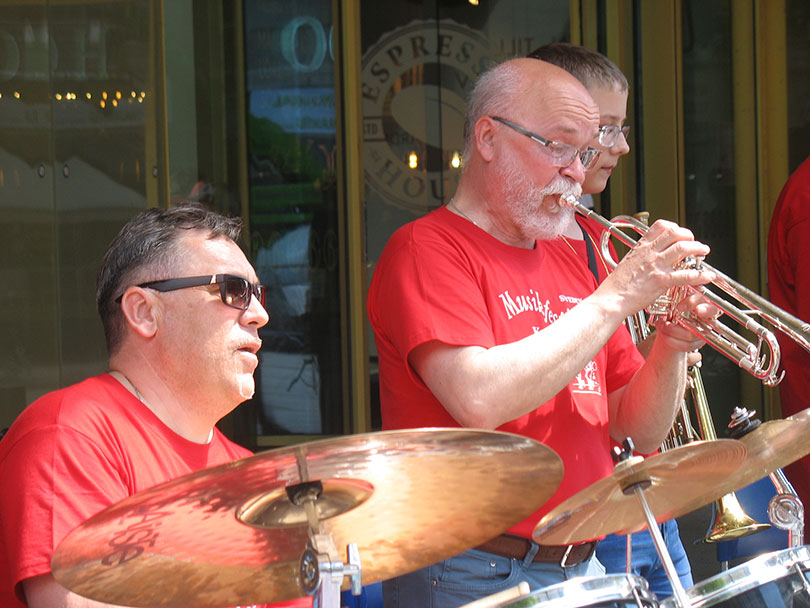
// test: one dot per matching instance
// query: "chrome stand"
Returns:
(637, 484)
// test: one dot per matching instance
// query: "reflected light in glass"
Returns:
(455, 160)
(413, 160)
(58, 97)
(17, 95)
(104, 94)
(118, 94)
(89, 95)
(473, 2)
(102, 103)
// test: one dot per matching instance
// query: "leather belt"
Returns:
(517, 547)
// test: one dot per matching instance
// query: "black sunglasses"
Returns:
(234, 290)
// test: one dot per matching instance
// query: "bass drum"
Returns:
(613, 591)
(774, 580)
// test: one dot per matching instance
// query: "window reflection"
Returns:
(293, 213)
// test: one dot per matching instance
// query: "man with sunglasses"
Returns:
(608, 87)
(479, 322)
(181, 310)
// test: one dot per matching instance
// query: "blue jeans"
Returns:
(612, 553)
(474, 575)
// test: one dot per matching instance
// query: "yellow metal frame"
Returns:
(619, 49)
(662, 96)
(157, 141)
(351, 188)
(351, 198)
(772, 136)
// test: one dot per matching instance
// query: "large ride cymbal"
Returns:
(675, 482)
(229, 535)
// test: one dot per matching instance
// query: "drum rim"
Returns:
(592, 589)
(741, 578)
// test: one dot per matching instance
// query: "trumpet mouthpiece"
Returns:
(568, 199)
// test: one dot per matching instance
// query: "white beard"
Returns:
(525, 202)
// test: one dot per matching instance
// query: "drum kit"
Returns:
(351, 511)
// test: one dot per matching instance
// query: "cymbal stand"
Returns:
(321, 570)
(636, 483)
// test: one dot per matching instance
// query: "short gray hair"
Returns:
(493, 95)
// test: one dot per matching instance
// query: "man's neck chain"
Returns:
(131, 385)
(452, 205)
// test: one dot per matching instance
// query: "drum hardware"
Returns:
(771, 446)
(762, 356)
(320, 569)
(785, 509)
(664, 486)
(805, 583)
(773, 580)
(266, 528)
(637, 484)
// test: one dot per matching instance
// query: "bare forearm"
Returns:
(649, 402)
(485, 388)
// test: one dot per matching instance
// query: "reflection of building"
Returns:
(326, 132)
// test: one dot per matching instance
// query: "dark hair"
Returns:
(586, 65)
(146, 244)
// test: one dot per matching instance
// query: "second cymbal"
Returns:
(772, 445)
(676, 482)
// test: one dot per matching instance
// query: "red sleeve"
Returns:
(50, 494)
(432, 285)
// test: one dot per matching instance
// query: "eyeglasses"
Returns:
(234, 290)
(562, 155)
(609, 134)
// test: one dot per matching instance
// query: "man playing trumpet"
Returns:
(480, 323)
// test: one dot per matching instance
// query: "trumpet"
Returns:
(760, 357)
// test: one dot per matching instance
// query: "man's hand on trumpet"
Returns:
(653, 266)
(678, 337)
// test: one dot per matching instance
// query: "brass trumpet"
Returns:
(760, 358)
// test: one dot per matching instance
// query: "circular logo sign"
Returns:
(416, 80)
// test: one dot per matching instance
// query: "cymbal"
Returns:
(229, 535)
(676, 482)
(772, 445)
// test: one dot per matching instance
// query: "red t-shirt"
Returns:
(594, 231)
(442, 278)
(789, 288)
(74, 452)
